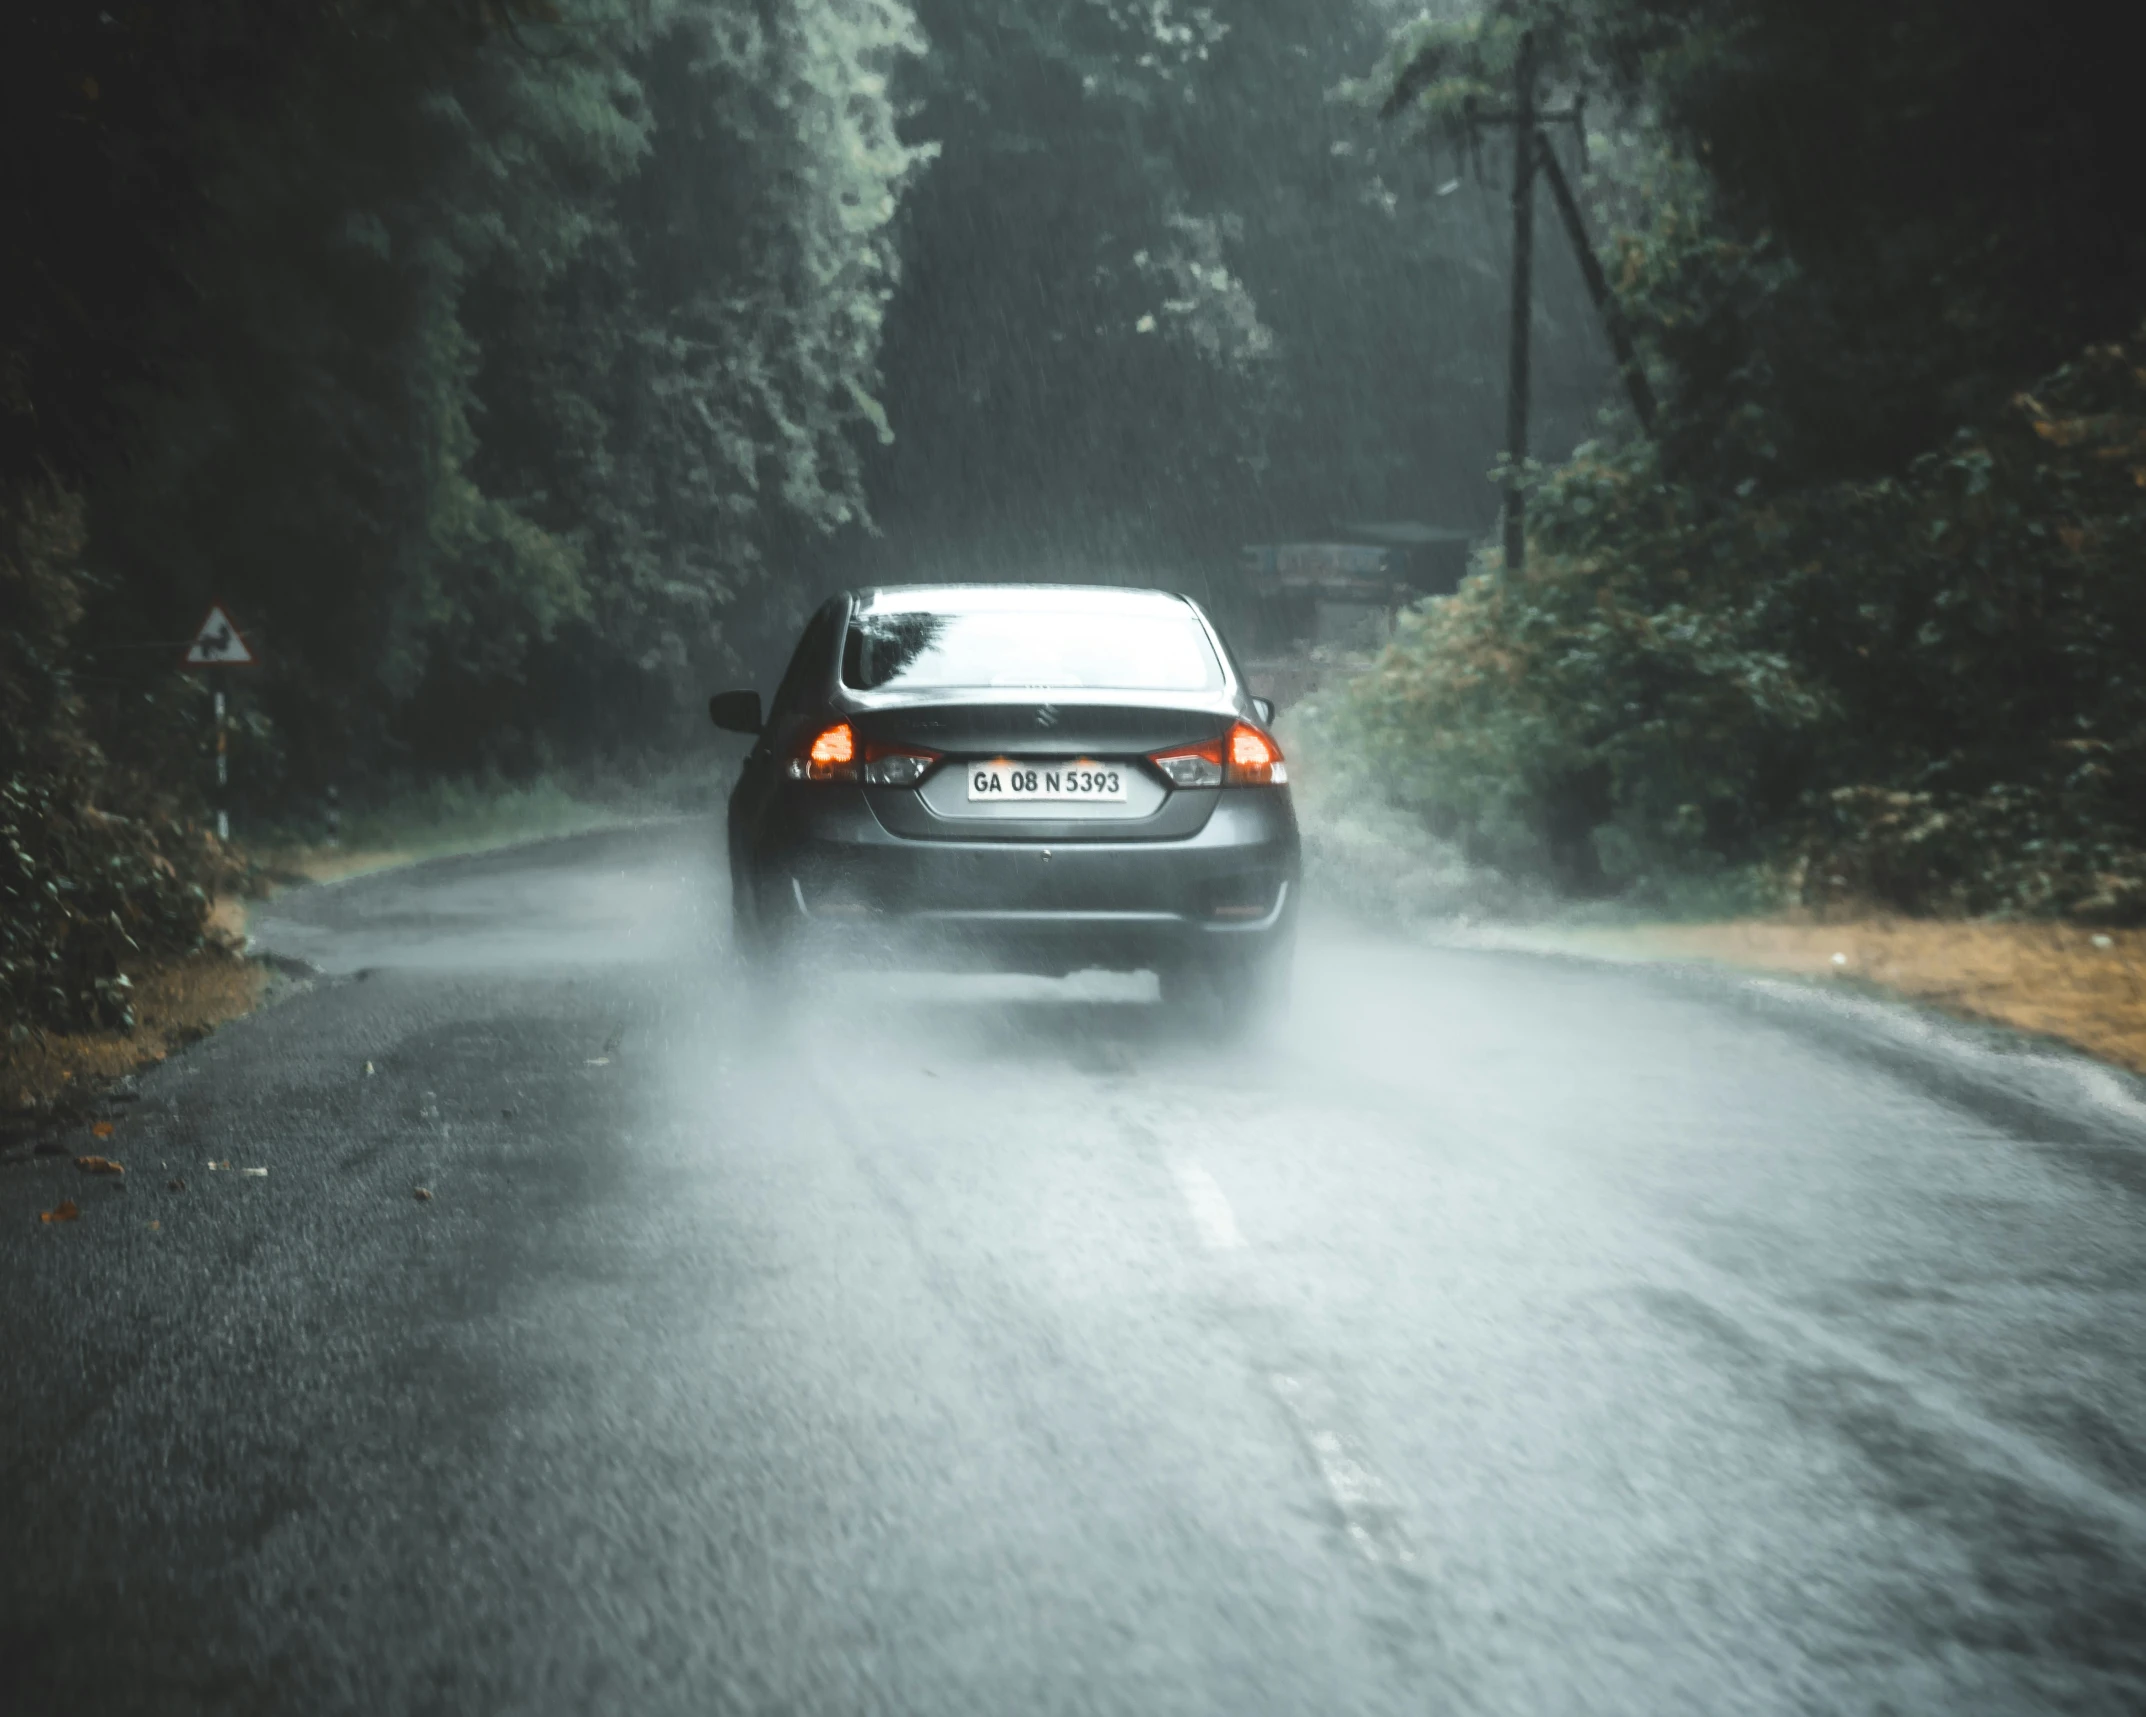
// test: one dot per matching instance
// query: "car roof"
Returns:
(1016, 598)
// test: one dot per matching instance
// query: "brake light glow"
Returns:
(1244, 757)
(831, 756)
(834, 755)
(1254, 759)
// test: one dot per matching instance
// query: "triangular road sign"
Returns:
(218, 644)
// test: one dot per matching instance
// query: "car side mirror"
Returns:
(1264, 709)
(735, 712)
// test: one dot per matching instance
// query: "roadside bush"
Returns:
(1364, 851)
(101, 873)
(1925, 691)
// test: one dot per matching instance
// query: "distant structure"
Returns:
(1341, 594)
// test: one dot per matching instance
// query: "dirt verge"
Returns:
(46, 1076)
(2085, 987)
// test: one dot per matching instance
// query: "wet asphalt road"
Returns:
(1512, 1336)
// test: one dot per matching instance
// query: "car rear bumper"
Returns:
(832, 877)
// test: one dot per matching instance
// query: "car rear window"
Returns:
(1103, 649)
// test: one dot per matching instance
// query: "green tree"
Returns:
(1163, 295)
(485, 358)
(1854, 615)
(503, 380)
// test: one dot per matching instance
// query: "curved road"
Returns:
(1511, 1335)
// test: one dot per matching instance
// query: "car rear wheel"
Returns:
(746, 936)
(1230, 994)
(763, 950)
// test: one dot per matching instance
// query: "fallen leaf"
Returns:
(66, 1212)
(101, 1130)
(423, 1194)
(98, 1165)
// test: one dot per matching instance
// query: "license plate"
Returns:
(1078, 780)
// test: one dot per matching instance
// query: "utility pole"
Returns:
(1516, 381)
(1532, 153)
(1620, 336)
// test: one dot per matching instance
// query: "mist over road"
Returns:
(1508, 1336)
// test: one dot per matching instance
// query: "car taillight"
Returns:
(1243, 757)
(834, 755)
(1192, 765)
(1254, 759)
(896, 765)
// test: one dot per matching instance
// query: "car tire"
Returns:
(1233, 995)
(745, 932)
(762, 950)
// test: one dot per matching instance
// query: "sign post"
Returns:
(219, 644)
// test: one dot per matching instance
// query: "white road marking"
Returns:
(1209, 1205)
(1370, 1513)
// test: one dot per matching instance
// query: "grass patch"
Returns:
(439, 818)
(435, 820)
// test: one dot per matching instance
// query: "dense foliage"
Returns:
(1164, 296)
(480, 358)
(477, 362)
(513, 369)
(1865, 615)
(86, 890)
(1923, 689)
(1937, 183)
